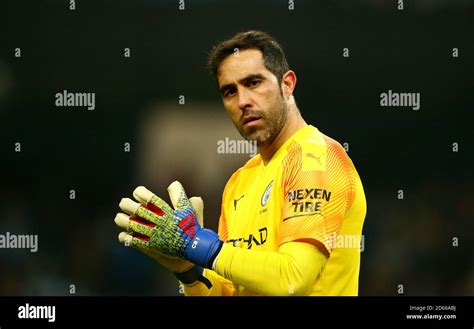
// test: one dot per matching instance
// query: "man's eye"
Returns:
(229, 92)
(254, 83)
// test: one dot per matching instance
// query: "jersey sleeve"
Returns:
(292, 270)
(318, 186)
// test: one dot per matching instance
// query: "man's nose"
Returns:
(245, 99)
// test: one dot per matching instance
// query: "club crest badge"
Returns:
(266, 194)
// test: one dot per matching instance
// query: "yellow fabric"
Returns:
(290, 271)
(309, 192)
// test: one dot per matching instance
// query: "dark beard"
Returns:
(273, 123)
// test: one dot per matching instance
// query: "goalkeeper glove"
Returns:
(173, 232)
(174, 264)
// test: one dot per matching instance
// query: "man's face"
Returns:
(252, 96)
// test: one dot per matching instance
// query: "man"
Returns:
(283, 213)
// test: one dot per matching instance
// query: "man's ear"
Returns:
(288, 83)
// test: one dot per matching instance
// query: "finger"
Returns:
(129, 240)
(122, 220)
(125, 238)
(129, 206)
(140, 227)
(151, 201)
(135, 209)
(134, 224)
(142, 194)
(178, 195)
(159, 207)
(198, 206)
(174, 191)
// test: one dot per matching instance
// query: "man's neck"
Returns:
(294, 122)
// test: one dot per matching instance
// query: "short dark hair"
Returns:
(272, 52)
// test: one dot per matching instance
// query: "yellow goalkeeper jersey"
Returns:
(309, 191)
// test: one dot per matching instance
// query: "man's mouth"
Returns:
(250, 120)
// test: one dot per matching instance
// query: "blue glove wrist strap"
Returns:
(204, 248)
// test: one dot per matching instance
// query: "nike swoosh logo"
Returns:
(311, 214)
(237, 200)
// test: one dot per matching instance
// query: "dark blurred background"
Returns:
(408, 241)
